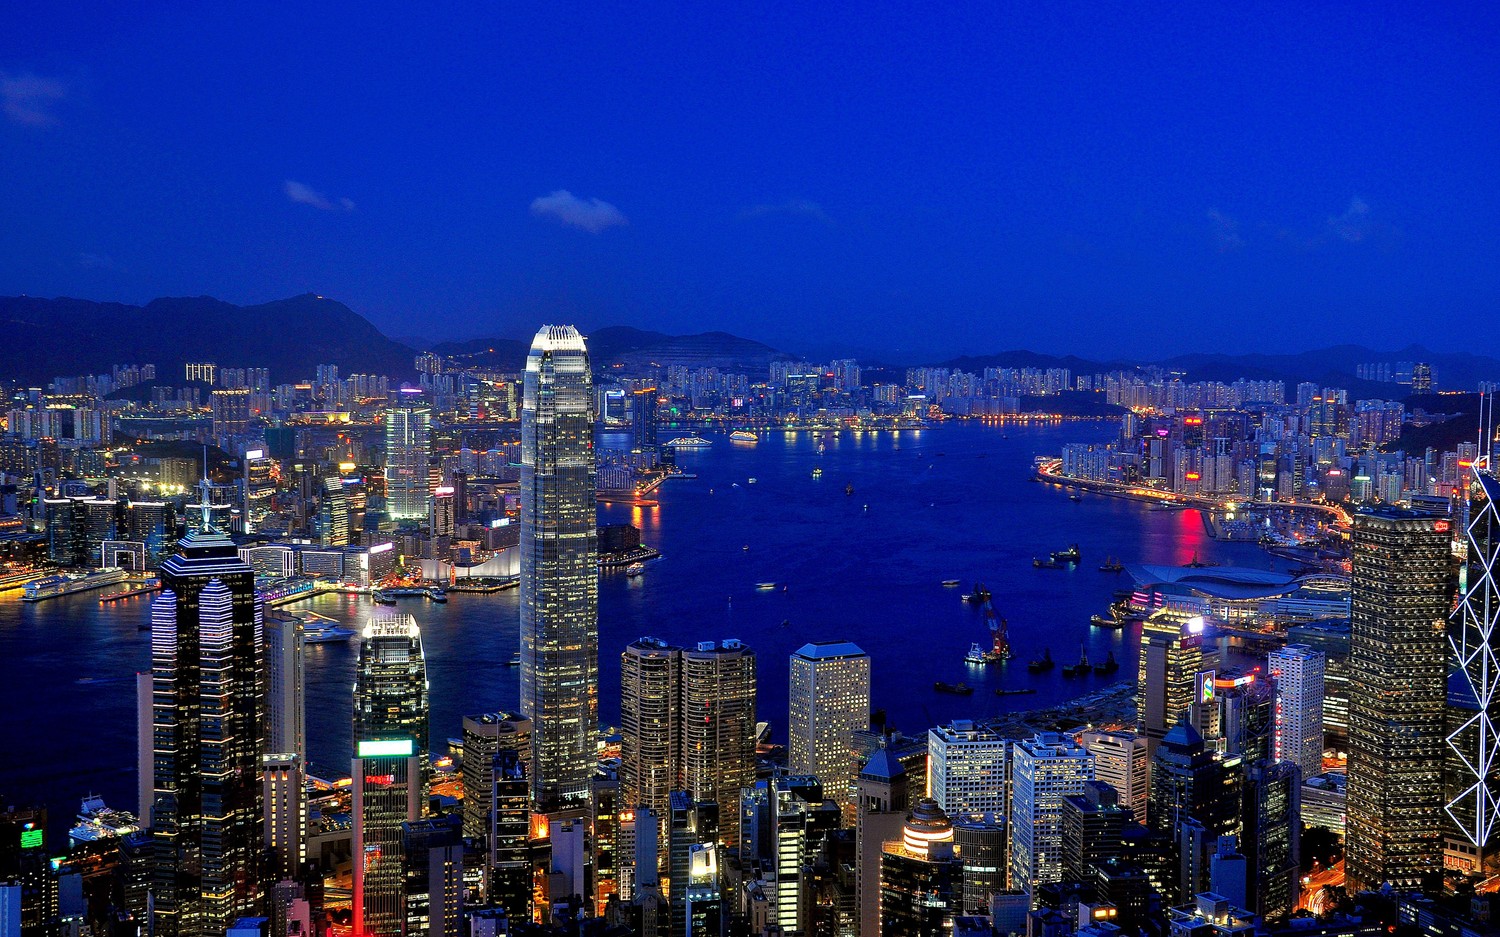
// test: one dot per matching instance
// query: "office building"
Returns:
(880, 806)
(829, 701)
(643, 419)
(1474, 738)
(485, 736)
(208, 734)
(983, 852)
(1298, 734)
(1094, 823)
(509, 876)
(390, 684)
(650, 723)
(690, 823)
(1272, 838)
(966, 769)
(1120, 760)
(704, 896)
(1398, 661)
(387, 793)
(433, 854)
(1195, 799)
(286, 694)
(921, 877)
(1171, 657)
(559, 572)
(1044, 769)
(284, 796)
(718, 727)
(408, 449)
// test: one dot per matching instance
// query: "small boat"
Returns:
(976, 655)
(515, 660)
(765, 586)
(750, 481)
(817, 471)
(1082, 668)
(1019, 691)
(744, 435)
(1074, 498)
(635, 569)
(956, 689)
(745, 547)
(1042, 664)
(1040, 563)
(383, 597)
(1109, 666)
(849, 489)
(437, 594)
(950, 582)
(1105, 621)
(1111, 565)
(1070, 555)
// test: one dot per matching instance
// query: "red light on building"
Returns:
(1192, 476)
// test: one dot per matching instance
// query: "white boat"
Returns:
(765, 586)
(689, 442)
(750, 481)
(635, 569)
(744, 435)
(325, 634)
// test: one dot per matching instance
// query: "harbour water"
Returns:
(867, 566)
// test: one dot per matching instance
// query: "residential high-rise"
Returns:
(208, 678)
(1397, 692)
(1298, 729)
(407, 452)
(921, 877)
(387, 793)
(1474, 743)
(231, 413)
(650, 724)
(286, 710)
(718, 728)
(390, 684)
(1045, 769)
(1120, 760)
(829, 701)
(966, 769)
(559, 566)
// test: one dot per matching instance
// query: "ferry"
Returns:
(53, 586)
(635, 569)
(383, 597)
(744, 435)
(325, 634)
(150, 584)
(976, 656)
(950, 583)
(515, 660)
(689, 442)
(956, 689)
(750, 480)
(765, 586)
(437, 594)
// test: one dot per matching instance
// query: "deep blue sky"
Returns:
(1095, 177)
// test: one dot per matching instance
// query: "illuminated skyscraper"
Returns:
(650, 724)
(643, 419)
(1172, 655)
(1298, 729)
(966, 769)
(407, 451)
(718, 727)
(390, 684)
(486, 735)
(921, 878)
(1046, 769)
(1120, 761)
(829, 697)
(208, 678)
(1475, 640)
(1397, 693)
(559, 566)
(387, 793)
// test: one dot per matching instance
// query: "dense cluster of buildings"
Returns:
(1263, 710)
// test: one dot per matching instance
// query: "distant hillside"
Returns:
(625, 350)
(1020, 358)
(45, 338)
(500, 354)
(1463, 425)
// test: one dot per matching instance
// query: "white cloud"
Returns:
(1226, 231)
(304, 194)
(27, 99)
(803, 207)
(590, 214)
(1354, 224)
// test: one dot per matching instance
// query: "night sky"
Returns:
(1099, 178)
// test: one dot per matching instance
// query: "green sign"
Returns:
(395, 747)
(33, 839)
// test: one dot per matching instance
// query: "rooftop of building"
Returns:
(829, 650)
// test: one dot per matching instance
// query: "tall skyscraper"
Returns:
(390, 684)
(966, 769)
(1120, 761)
(718, 727)
(1172, 655)
(1474, 744)
(643, 419)
(208, 734)
(284, 787)
(387, 793)
(1045, 769)
(286, 711)
(407, 452)
(1397, 693)
(1298, 729)
(559, 566)
(880, 810)
(921, 878)
(829, 701)
(650, 724)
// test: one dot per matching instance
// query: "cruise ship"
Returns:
(689, 442)
(54, 586)
(744, 435)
